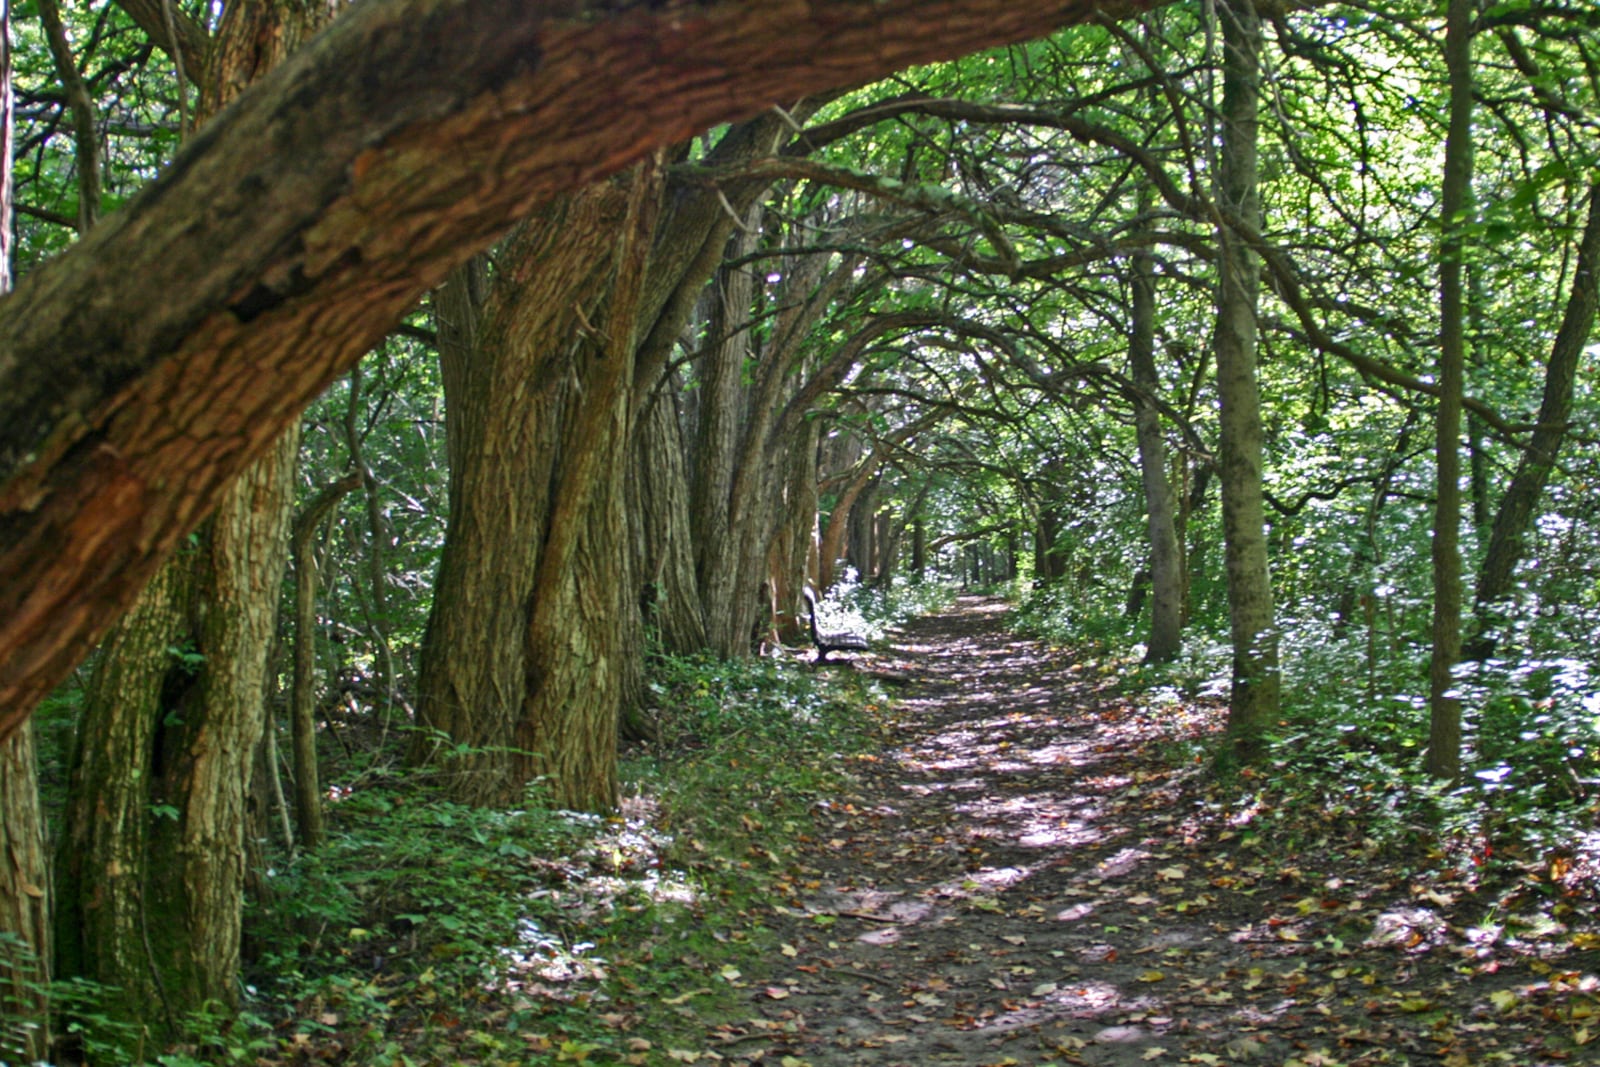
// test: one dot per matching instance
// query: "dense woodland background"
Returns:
(1249, 347)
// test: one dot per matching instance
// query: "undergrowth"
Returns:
(1343, 766)
(426, 932)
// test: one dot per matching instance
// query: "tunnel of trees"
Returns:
(476, 359)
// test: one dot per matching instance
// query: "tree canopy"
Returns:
(145, 366)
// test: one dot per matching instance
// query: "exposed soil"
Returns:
(1024, 877)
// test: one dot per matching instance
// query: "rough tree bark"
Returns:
(103, 922)
(796, 536)
(143, 369)
(522, 665)
(182, 874)
(658, 512)
(24, 879)
(577, 666)
(723, 418)
(1255, 688)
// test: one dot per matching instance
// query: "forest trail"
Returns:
(1017, 878)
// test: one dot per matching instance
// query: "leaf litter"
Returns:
(1028, 875)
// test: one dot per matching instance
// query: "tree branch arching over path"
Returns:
(149, 364)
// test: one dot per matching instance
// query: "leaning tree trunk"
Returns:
(152, 900)
(1515, 515)
(1255, 687)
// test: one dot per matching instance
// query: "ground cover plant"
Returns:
(430, 932)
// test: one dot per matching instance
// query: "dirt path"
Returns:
(1018, 880)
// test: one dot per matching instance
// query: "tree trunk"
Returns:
(1444, 700)
(24, 907)
(723, 417)
(151, 868)
(840, 524)
(1507, 539)
(1254, 698)
(178, 841)
(522, 673)
(658, 511)
(861, 541)
(577, 667)
(1050, 554)
(24, 879)
(472, 673)
(197, 871)
(377, 545)
(792, 548)
(302, 700)
(1166, 577)
(103, 924)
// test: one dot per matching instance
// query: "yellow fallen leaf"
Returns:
(1504, 999)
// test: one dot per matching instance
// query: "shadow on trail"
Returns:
(1018, 879)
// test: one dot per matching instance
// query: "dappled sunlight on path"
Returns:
(1020, 878)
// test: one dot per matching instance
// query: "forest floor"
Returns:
(1027, 875)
